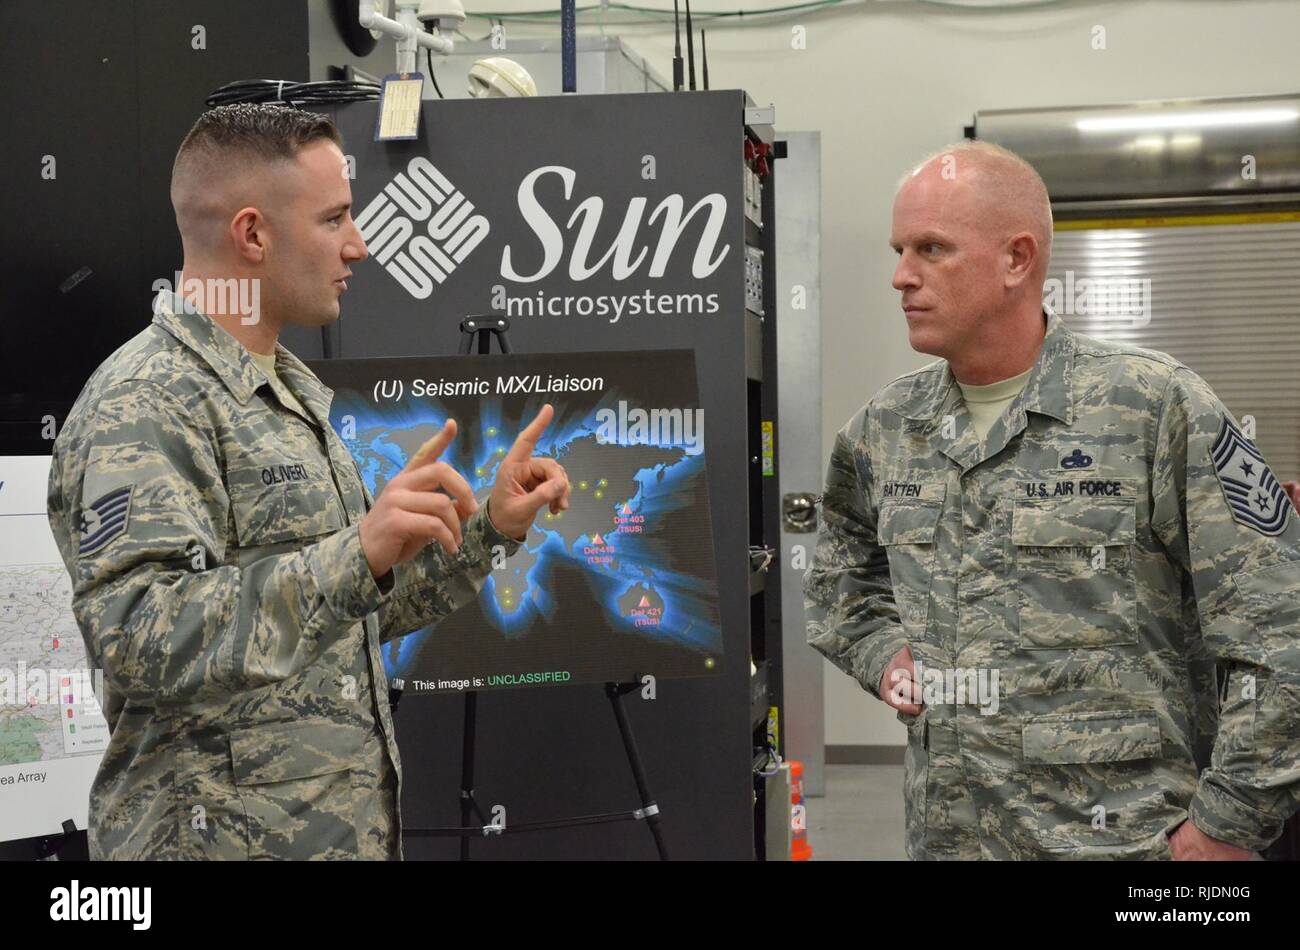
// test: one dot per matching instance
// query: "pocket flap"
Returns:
(1074, 523)
(1068, 738)
(907, 523)
(283, 751)
(1277, 580)
(1270, 596)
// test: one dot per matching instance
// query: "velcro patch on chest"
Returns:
(1078, 460)
(909, 488)
(1095, 487)
(285, 472)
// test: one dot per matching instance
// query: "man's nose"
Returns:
(904, 274)
(356, 250)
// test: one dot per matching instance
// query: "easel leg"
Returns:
(467, 770)
(475, 333)
(649, 809)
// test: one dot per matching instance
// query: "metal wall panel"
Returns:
(1224, 299)
(798, 342)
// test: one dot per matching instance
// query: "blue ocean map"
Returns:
(619, 528)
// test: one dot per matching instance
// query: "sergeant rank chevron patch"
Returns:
(105, 519)
(1256, 498)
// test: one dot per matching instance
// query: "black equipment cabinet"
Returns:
(661, 182)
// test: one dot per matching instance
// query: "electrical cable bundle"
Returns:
(325, 92)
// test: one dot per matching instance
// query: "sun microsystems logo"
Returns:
(420, 227)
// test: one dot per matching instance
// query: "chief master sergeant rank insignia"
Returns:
(1254, 495)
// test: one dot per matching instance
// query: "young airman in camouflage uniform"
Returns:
(232, 575)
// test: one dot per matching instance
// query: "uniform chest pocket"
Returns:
(1073, 572)
(907, 530)
(279, 503)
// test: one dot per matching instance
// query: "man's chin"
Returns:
(328, 316)
(924, 340)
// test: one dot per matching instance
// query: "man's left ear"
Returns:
(1023, 253)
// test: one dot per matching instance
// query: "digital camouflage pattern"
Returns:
(223, 589)
(1094, 559)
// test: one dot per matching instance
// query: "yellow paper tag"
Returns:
(399, 107)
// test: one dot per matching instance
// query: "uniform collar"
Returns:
(230, 359)
(305, 384)
(1047, 391)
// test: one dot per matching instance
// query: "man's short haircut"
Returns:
(221, 158)
(1007, 179)
(254, 133)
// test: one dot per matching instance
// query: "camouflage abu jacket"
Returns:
(211, 534)
(1103, 599)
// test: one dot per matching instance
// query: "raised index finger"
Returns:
(432, 478)
(523, 448)
(433, 448)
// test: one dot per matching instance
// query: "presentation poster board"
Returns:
(52, 730)
(621, 584)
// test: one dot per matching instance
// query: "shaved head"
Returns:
(207, 193)
(972, 226)
(1007, 189)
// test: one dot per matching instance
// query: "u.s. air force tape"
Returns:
(105, 519)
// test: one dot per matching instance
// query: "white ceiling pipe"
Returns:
(406, 30)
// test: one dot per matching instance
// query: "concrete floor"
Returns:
(861, 816)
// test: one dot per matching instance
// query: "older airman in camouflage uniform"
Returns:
(211, 532)
(1116, 561)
